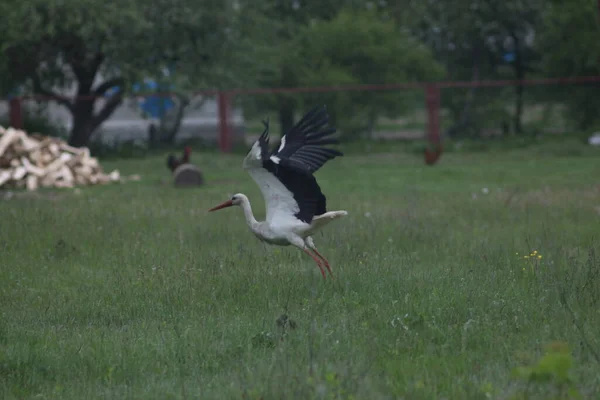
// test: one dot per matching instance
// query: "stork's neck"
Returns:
(250, 220)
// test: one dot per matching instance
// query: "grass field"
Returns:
(135, 291)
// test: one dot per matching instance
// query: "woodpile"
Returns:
(33, 161)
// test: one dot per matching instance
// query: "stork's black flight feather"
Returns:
(300, 154)
(302, 148)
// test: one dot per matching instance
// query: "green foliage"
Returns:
(101, 45)
(360, 47)
(570, 45)
(351, 45)
(552, 370)
(243, 43)
(472, 46)
(134, 38)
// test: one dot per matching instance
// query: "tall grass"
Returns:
(135, 291)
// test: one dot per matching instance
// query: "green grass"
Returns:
(135, 291)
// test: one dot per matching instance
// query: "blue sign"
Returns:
(154, 106)
(509, 57)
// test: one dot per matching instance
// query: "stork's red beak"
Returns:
(228, 203)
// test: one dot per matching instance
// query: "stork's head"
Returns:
(235, 200)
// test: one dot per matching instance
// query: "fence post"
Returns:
(432, 99)
(16, 113)
(224, 100)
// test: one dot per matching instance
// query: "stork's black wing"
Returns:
(285, 175)
(301, 148)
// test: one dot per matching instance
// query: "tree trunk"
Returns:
(85, 121)
(519, 68)
(81, 107)
(83, 112)
(169, 129)
(459, 127)
(519, 102)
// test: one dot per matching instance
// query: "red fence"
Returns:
(432, 91)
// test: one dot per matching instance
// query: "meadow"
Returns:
(450, 282)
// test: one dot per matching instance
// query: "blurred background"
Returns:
(127, 77)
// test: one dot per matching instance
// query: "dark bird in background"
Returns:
(173, 162)
(432, 155)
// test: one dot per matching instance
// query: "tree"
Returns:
(359, 47)
(475, 40)
(102, 45)
(280, 26)
(511, 29)
(340, 42)
(570, 46)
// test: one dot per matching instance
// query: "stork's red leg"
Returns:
(317, 261)
(324, 260)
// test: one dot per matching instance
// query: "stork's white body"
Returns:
(279, 231)
(294, 203)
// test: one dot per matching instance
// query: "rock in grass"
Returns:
(187, 175)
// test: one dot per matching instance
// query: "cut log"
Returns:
(54, 149)
(33, 161)
(63, 184)
(19, 173)
(10, 135)
(65, 174)
(114, 176)
(47, 181)
(42, 144)
(29, 144)
(188, 175)
(58, 163)
(31, 169)
(81, 180)
(32, 182)
(46, 157)
(5, 176)
(89, 161)
(71, 149)
(84, 171)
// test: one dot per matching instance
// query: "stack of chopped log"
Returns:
(32, 161)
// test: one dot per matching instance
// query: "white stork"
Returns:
(295, 205)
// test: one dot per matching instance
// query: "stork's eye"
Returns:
(233, 198)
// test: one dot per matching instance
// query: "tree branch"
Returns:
(39, 89)
(109, 107)
(106, 85)
(96, 62)
(73, 49)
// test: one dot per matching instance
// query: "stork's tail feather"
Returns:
(320, 221)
